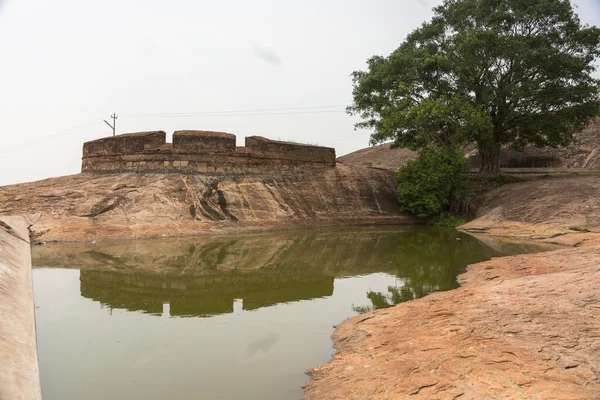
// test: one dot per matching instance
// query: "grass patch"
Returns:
(448, 221)
(579, 229)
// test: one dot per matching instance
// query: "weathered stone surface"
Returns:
(19, 373)
(521, 327)
(381, 156)
(524, 327)
(124, 144)
(540, 209)
(203, 141)
(87, 207)
(191, 151)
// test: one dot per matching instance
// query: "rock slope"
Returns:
(520, 327)
(540, 209)
(524, 327)
(88, 206)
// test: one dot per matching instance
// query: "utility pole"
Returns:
(114, 124)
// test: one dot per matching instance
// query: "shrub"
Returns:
(428, 184)
(578, 229)
(449, 221)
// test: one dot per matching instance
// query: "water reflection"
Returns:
(429, 261)
(112, 318)
(199, 296)
(202, 277)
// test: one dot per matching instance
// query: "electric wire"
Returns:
(228, 113)
(51, 136)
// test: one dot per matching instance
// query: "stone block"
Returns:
(184, 163)
(167, 163)
(203, 142)
(176, 163)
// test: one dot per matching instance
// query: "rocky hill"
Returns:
(381, 156)
(96, 206)
(584, 153)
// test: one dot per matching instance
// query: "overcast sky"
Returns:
(66, 63)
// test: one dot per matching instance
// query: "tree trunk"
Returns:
(490, 160)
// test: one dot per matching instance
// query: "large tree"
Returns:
(489, 72)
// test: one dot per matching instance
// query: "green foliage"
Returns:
(427, 184)
(395, 295)
(579, 229)
(492, 72)
(449, 221)
(428, 260)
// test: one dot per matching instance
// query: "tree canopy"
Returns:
(489, 72)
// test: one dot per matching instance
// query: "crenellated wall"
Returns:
(199, 152)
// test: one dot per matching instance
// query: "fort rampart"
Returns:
(199, 152)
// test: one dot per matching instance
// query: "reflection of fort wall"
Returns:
(202, 296)
(318, 252)
(203, 275)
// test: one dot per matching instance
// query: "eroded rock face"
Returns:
(524, 327)
(541, 209)
(521, 327)
(87, 206)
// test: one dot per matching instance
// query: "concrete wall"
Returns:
(19, 373)
(200, 152)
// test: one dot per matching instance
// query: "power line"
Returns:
(52, 136)
(232, 112)
(235, 115)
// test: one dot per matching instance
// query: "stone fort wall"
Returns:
(199, 152)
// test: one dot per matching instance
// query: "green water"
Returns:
(232, 317)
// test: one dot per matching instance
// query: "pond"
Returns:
(227, 317)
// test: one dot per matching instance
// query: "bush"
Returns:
(448, 221)
(428, 184)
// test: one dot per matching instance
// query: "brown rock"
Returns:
(88, 206)
(524, 327)
(520, 328)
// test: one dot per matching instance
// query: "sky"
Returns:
(65, 65)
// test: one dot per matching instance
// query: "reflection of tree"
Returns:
(429, 261)
(202, 276)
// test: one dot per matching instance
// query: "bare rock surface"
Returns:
(520, 327)
(380, 156)
(89, 206)
(523, 327)
(541, 209)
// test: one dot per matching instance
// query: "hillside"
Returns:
(584, 153)
(543, 208)
(90, 206)
(381, 156)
